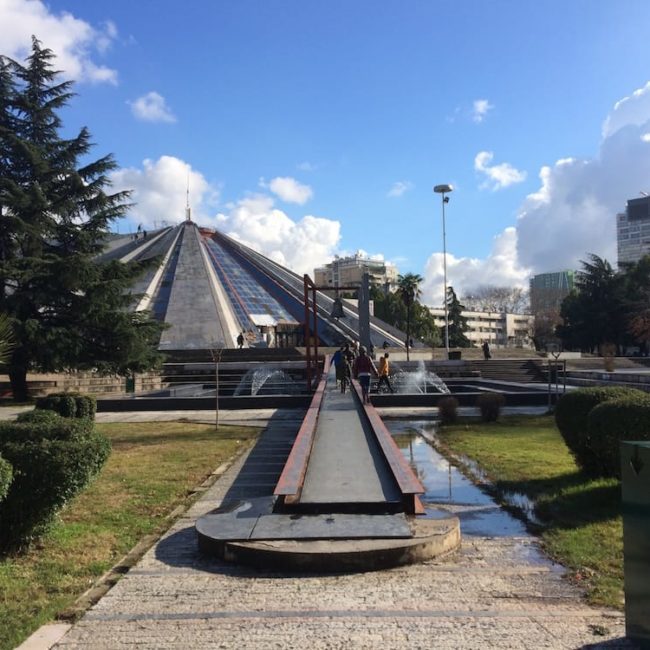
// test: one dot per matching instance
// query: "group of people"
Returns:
(354, 361)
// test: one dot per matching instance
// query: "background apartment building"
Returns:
(348, 271)
(633, 230)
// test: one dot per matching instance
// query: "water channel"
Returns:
(448, 489)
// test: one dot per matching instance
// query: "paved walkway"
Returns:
(496, 593)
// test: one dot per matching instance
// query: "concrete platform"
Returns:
(247, 533)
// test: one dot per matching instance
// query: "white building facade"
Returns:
(499, 329)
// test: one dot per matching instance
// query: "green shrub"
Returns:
(39, 416)
(571, 415)
(6, 474)
(51, 462)
(490, 405)
(608, 423)
(69, 405)
(448, 410)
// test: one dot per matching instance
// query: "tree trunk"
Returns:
(18, 378)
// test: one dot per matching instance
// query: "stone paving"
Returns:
(494, 593)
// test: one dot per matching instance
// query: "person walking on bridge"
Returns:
(363, 369)
(342, 365)
(384, 372)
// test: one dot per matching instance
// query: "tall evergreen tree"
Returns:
(67, 310)
(457, 322)
(592, 313)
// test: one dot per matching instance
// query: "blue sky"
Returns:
(315, 128)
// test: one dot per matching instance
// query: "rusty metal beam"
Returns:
(408, 483)
(291, 480)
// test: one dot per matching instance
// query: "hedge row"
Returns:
(627, 418)
(488, 403)
(69, 405)
(592, 421)
(52, 461)
(6, 474)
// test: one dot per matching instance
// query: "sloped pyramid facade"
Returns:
(208, 288)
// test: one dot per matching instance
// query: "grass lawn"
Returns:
(151, 470)
(581, 517)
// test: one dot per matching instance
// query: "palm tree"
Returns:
(408, 289)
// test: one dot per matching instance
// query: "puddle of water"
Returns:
(448, 489)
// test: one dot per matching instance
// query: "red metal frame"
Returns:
(313, 361)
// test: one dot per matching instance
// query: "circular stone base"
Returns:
(431, 538)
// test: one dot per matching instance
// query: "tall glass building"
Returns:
(548, 290)
(633, 230)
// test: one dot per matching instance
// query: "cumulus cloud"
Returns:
(160, 191)
(152, 107)
(500, 268)
(631, 110)
(399, 188)
(288, 189)
(480, 109)
(573, 212)
(299, 245)
(496, 176)
(73, 40)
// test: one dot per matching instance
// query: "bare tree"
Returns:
(513, 300)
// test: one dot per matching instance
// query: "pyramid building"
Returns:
(209, 288)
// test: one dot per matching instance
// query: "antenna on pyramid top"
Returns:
(188, 210)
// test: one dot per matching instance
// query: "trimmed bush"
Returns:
(52, 462)
(490, 405)
(448, 410)
(608, 423)
(571, 415)
(6, 474)
(39, 416)
(69, 405)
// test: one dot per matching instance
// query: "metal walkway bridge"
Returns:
(345, 460)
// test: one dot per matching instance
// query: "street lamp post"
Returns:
(443, 190)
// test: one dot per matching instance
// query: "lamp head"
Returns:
(443, 189)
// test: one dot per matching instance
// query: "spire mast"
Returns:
(188, 210)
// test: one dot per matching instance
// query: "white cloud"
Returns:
(497, 176)
(306, 166)
(480, 109)
(299, 245)
(289, 189)
(399, 188)
(159, 193)
(152, 107)
(500, 268)
(160, 189)
(632, 110)
(72, 40)
(574, 211)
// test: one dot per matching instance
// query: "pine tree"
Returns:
(457, 322)
(68, 311)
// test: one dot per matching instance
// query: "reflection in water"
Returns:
(448, 488)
